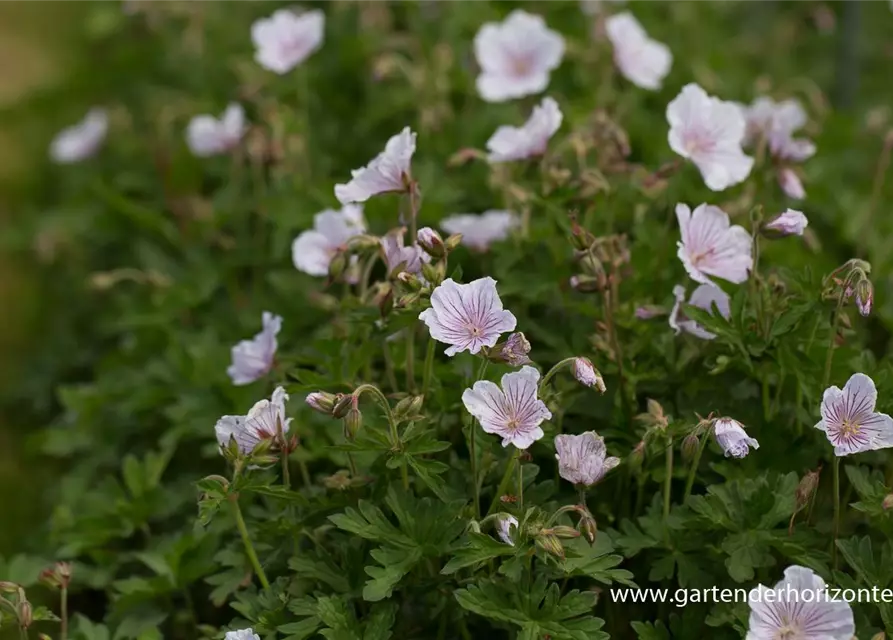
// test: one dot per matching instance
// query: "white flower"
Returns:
(791, 184)
(850, 421)
(733, 439)
(581, 459)
(479, 232)
(588, 375)
(642, 61)
(313, 250)
(242, 634)
(709, 132)
(791, 222)
(388, 171)
(286, 39)
(513, 412)
(519, 143)
(516, 56)
(799, 608)
(82, 140)
(467, 316)
(208, 136)
(396, 254)
(264, 421)
(777, 122)
(711, 246)
(253, 359)
(703, 297)
(504, 526)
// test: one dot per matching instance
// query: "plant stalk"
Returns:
(246, 540)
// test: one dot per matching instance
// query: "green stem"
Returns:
(63, 614)
(286, 475)
(410, 359)
(668, 480)
(23, 632)
(429, 366)
(520, 487)
(389, 367)
(246, 540)
(692, 472)
(352, 464)
(765, 395)
(367, 273)
(385, 407)
(826, 379)
(305, 474)
(472, 447)
(506, 480)
(551, 373)
(836, 489)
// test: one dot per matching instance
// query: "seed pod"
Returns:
(353, 421)
(588, 528)
(25, 614)
(550, 544)
(690, 446)
(563, 531)
(806, 488)
(338, 265)
(453, 241)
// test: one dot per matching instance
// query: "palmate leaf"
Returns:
(595, 561)
(396, 563)
(478, 548)
(753, 503)
(542, 611)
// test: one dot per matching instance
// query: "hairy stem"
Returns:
(835, 478)
(551, 373)
(429, 366)
(668, 481)
(63, 614)
(472, 448)
(692, 472)
(410, 359)
(506, 480)
(246, 540)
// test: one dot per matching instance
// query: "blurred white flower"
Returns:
(389, 171)
(588, 375)
(286, 39)
(777, 122)
(241, 634)
(733, 439)
(582, 459)
(513, 412)
(703, 297)
(263, 422)
(642, 61)
(530, 140)
(791, 222)
(711, 246)
(504, 526)
(799, 608)
(480, 231)
(208, 136)
(79, 142)
(396, 254)
(313, 250)
(253, 359)
(850, 421)
(516, 56)
(709, 132)
(467, 316)
(791, 184)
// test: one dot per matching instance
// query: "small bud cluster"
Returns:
(850, 280)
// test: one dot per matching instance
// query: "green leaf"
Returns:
(325, 572)
(396, 563)
(479, 548)
(370, 523)
(859, 555)
(381, 622)
(651, 630)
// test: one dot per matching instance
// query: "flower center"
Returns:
(474, 331)
(521, 67)
(698, 258)
(788, 631)
(513, 424)
(848, 428)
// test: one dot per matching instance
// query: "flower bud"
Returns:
(434, 273)
(408, 408)
(690, 446)
(591, 265)
(322, 402)
(431, 242)
(384, 297)
(512, 351)
(25, 614)
(588, 375)
(338, 265)
(353, 421)
(878, 636)
(864, 296)
(550, 544)
(362, 243)
(562, 531)
(343, 403)
(887, 504)
(8, 587)
(408, 300)
(588, 528)
(790, 222)
(646, 312)
(411, 280)
(587, 284)
(806, 488)
(452, 242)
(636, 456)
(581, 238)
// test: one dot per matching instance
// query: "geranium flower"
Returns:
(467, 316)
(519, 143)
(790, 222)
(286, 39)
(641, 60)
(703, 297)
(709, 132)
(208, 136)
(264, 421)
(504, 526)
(241, 634)
(733, 439)
(711, 246)
(313, 250)
(516, 56)
(253, 359)
(581, 459)
(79, 142)
(588, 375)
(850, 421)
(395, 253)
(799, 608)
(513, 351)
(513, 412)
(389, 171)
(480, 231)
(777, 122)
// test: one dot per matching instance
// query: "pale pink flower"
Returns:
(516, 56)
(850, 421)
(588, 375)
(253, 359)
(519, 143)
(582, 459)
(412, 257)
(208, 136)
(704, 297)
(480, 231)
(711, 246)
(791, 222)
(241, 634)
(264, 421)
(641, 60)
(504, 526)
(467, 316)
(709, 132)
(80, 141)
(733, 439)
(799, 608)
(776, 122)
(313, 250)
(286, 39)
(790, 183)
(513, 412)
(389, 171)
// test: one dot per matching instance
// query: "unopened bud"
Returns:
(8, 587)
(408, 300)
(512, 351)
(550, 544)
(864, 296)
(637, 456)
(434, 273)
(588, 375)
(806, 488)
(322, 402)
(25, 614)
(588, 528)
(587, 284)
(453, 241)
(591, 265)
(363, 242)
(353, 421)
(563, 531)
(343, 403)
(878, 636)
(690, 446)
(411, 280)
(431, 242)
(384, 297)
(408, 407)
(338, 265)
(581, 238)
(887, 504)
